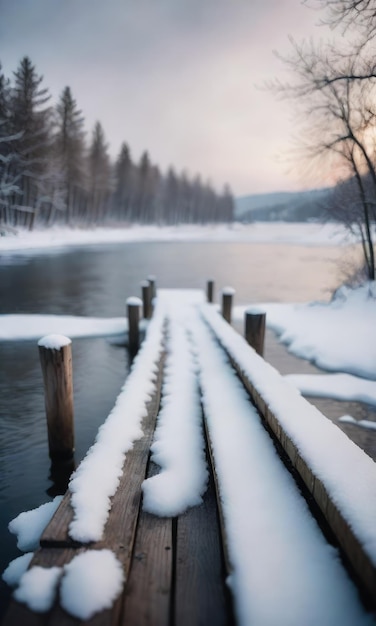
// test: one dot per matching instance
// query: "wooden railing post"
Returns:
(210, 290)
(146, 299)
(227, 298)
(133, 311)
(254, 330)
(55, 353)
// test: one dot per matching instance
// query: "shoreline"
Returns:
(290, 233)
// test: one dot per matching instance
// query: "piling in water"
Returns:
(210, 290)
(153, 286)
(227, 299)
(55, 353)
(146, 289)
(133, 311)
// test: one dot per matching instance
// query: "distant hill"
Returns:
(283, 206)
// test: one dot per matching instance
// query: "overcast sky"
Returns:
(179, 78)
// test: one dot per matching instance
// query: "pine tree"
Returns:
(144, 206)
(69, 151)
(9, 179)
(99, 176)
(31, 120)
(124, 184)
(171, 197)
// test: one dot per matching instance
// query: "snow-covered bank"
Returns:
(337, 386)
(17, 327)
(337, 336)
(311, 234)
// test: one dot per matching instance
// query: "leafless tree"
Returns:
(335, 93)
(359, 15)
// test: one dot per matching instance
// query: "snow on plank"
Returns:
(97, 477)
(179, 447)
(341, 477)
(283, 570)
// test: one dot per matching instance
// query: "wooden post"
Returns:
(227, 297)
(55, 353)
(210, 290)
(254, 330)
(146, 299)
(153, 286)
(153, 290)
(133, 308)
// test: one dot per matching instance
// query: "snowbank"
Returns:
(336, 386)
(64, 238)
(29, 525)
(337, 336)
(16, 327)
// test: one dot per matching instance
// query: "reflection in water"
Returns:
(60, 473)
(96, 282)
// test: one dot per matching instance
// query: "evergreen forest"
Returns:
(52, 173)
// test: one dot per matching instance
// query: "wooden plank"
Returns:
(201, 595)
(20, 615)
(359, 562)
(221, 521)
(56, 532)
(134, 470)
(148, 591)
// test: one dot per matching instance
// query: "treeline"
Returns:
(50, 175)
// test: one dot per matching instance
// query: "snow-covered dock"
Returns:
(211, 527)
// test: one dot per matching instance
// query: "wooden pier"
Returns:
(176, 569)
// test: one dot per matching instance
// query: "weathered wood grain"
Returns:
(148, 593)
(221, 520)
(227, 300)
(58, 396)
(201, 596)
(133, 313)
